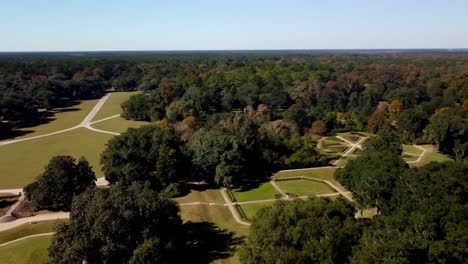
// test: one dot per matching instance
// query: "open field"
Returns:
(304, 187)
(262, 192)
(28, 229)
(119, 124)
(207, 196)
(62, 118)
(21, 163)
(251, 210)
(112, 105)
(29, 251)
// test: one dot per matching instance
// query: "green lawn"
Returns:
(304, 187)
(29, 251)
(112, 105)
(407, 157)
(61, 119)
(262, 192)
(325, 173)
(22, 162)
(411, 149)
(207, 196)
(431, 155)
(119, 124)
(251, 210)
(28, 229)
(350, 136)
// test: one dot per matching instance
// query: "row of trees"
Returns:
(421, 218)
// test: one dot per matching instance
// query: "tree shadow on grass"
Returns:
(250, 185)
(207, 242)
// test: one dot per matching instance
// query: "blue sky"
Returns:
(66, 25)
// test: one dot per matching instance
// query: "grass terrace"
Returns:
(251, 210)
(305, 187)
(254, 192)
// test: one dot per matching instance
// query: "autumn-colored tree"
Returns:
(395, 106)
(319, 128)
(377, 120)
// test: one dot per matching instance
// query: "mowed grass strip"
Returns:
(22, 162)
(304, 187)
(206, 196)
(119, 124)
(28, 229)
(29, 251)
(261, 192)
(113, 104)
(251, 210)
(61, 119)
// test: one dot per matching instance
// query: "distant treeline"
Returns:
(422, 94)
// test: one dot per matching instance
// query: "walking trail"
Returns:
(86, 123)
(26, 237)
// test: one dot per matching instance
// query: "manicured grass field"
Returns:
(28, 229)
(431, 155)
(407, 157)
(262, 192)
(251, 210)
(112, 105)
(324, 173)
(22, 162)
(207, 196)
(119, 124)
(30, 251)
(61, 119)
(304, 187)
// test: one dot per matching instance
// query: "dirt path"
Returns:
(232, 209)
(32, 219)
(26, 237)
(352, 148)
(278, 188)
(420, 155)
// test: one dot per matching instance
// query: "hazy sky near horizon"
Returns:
(61, 25)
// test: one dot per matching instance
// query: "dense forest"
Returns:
(422, 95)
(233, 118)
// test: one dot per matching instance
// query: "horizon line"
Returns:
(227, 50)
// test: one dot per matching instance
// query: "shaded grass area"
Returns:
(251, 210)
(58, 119)
(222, 218)
(29, 229)
(259, 191)
(112, 105)
(304, 187)
(119, 124)
(22, 162)
(201, 194)
(29, 251)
